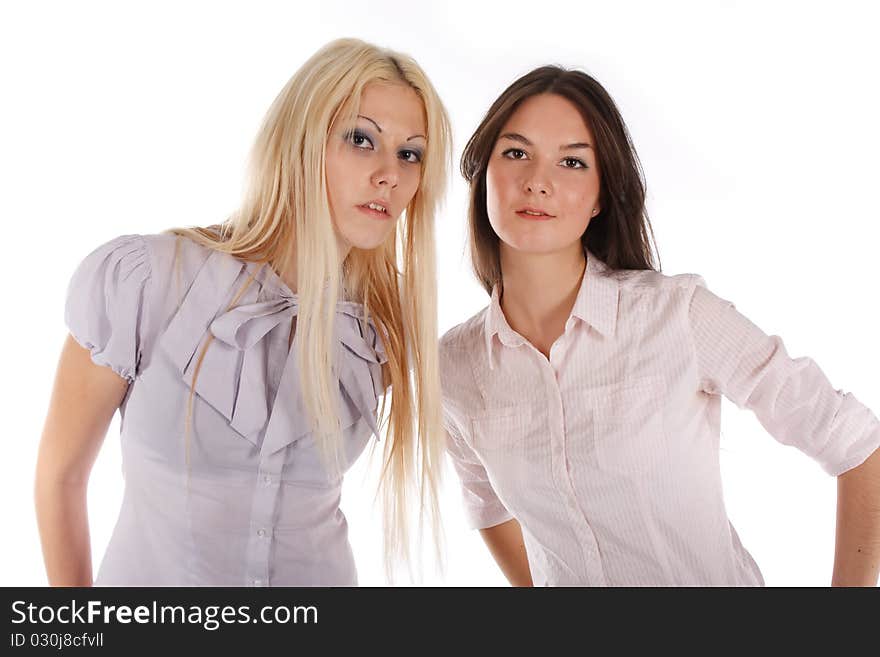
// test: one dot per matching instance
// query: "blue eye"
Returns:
(514, 153)
(574, 163)
(411, 156)
(359, 139)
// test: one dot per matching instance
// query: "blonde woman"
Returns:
(247, 359)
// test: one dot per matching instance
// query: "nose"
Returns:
(386, 175)
(537, 182)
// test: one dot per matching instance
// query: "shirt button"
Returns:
(261, 533)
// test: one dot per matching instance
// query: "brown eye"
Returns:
(514, 153)
(573, 163)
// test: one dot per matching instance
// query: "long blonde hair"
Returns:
(285, 212)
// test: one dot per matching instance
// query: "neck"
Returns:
(539, 291)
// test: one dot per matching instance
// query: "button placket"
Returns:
(262, 517)
(559, 466)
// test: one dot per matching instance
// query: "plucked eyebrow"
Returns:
(379, 128)
(515, 136)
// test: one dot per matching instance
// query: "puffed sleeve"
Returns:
(481, 504)
(105, 306)
(791, 397)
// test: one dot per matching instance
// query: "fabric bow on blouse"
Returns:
(232, 376)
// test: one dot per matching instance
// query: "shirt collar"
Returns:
(595, 304)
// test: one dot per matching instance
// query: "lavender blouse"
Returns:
(255, 507)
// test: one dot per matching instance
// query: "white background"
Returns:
(756, 124)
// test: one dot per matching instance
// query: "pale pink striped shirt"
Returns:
(608, 453)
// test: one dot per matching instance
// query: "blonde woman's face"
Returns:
(542, 183)
(373, 170)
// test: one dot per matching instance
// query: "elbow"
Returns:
(56, 473)
(869, 469)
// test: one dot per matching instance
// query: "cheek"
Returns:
(576, 203)
(409, 180)
(336, 170)
(345, 166)
(497, 184)
(578, 199)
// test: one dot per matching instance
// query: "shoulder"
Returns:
(462, 349)
(159, 268)
(462, 339)
(104, 304)
(631, 281)
(117, 265)
(168, 251)
(147, 253)
(641, 289)
(654, 302)
(178, 260)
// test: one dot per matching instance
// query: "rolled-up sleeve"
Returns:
(791, 397)
(482, 507)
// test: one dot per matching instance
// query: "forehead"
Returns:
(395, 106)
(549, 118)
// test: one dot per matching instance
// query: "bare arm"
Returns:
(857, 549)
(505, 542)
(84, 398)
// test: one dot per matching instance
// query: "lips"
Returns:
(376, 209)
(536, 214)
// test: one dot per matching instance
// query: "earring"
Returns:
(595, 210)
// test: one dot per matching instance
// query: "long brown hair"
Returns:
(621, 234)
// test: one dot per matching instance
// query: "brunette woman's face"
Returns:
(373, 170)
(542, 182)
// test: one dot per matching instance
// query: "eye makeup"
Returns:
(357, 137)
(414, 152)
(363, 140)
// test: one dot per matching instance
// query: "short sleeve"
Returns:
(791, 397)
(481, 504)
(104, 310)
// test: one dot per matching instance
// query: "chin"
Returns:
(535, 244)
(367, 242)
